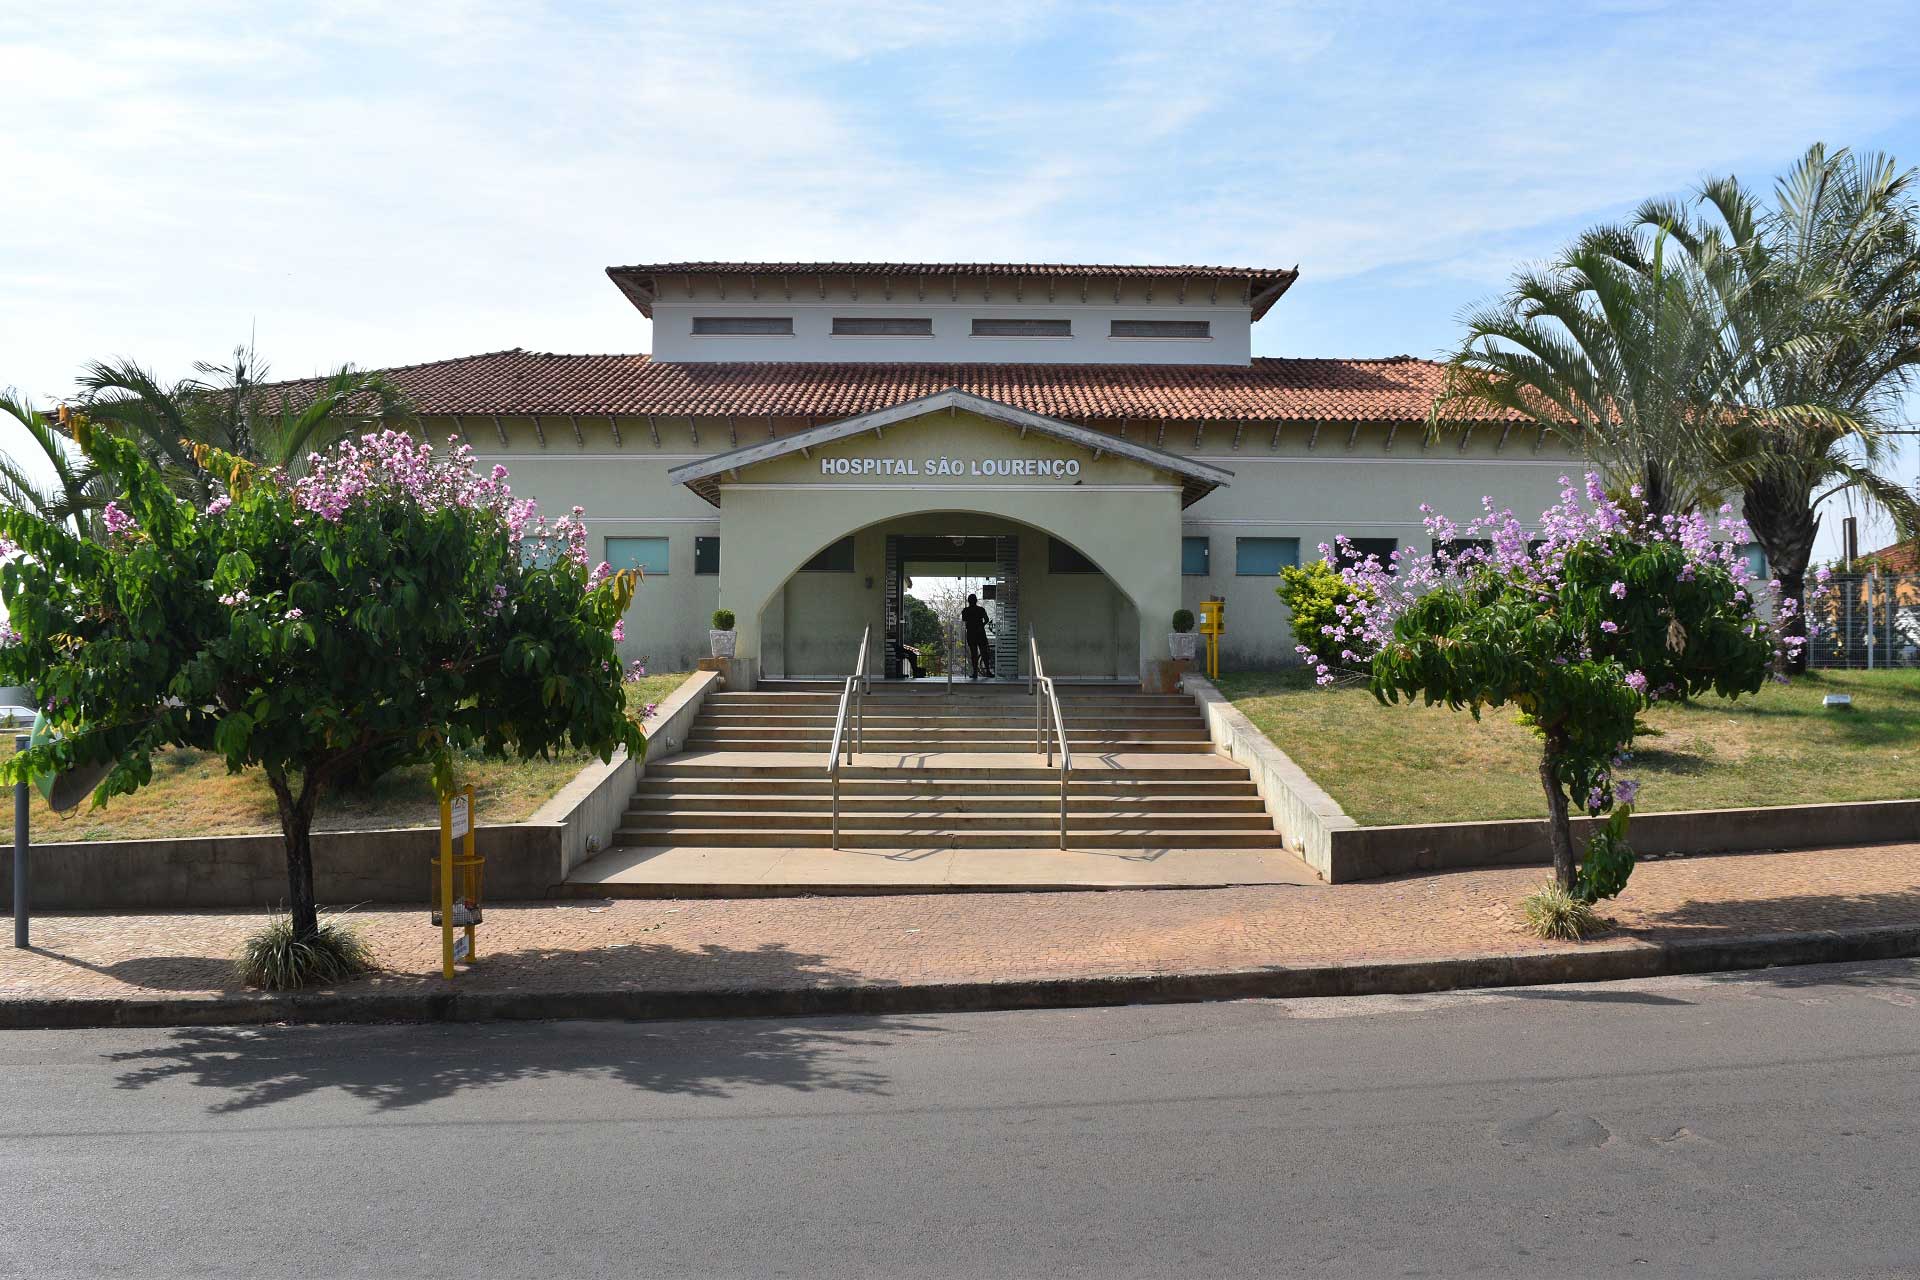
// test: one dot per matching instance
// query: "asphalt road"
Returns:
(1747, 1125)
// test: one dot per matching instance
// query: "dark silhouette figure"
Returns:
(979, 649)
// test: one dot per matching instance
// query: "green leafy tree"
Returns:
(1580, 627)
(391, 607)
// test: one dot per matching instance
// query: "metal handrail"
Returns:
(1037, 676)
(853, 696)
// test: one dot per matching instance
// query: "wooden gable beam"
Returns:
(1465, 436)
(1275, 442)
(1393, 429)
(1540, 440)
(574, 420)
(1314, 438)
(1352, 436)
(786, 286)
(1199, 430)
(653, 429)
(613, 425)
(720, 283)
(687, 279)
(733, 430)
(1504, 433)
(1019, 288)
(500, 429)
(539, 430)
(693, 429)
(753, 286)
(1238, 428)
(1183, 291)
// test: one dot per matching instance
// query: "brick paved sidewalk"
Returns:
(798, 943)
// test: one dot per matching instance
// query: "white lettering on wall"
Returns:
(1026, 468)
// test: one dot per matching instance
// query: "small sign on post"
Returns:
(460, 912)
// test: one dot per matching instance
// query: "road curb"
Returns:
(1602, 962)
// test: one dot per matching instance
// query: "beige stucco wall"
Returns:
(1307, 485)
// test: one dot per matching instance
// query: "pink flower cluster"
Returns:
(117, 521)
(390, 464)
(1496, 541)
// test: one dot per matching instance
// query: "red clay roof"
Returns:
(1264, 284)
(1398, 389)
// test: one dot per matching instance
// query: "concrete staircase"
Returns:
(940, 772)
(798, 716)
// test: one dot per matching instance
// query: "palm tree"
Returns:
(75, 492)
(234, 408)
(1827, 286)
(1606, 346)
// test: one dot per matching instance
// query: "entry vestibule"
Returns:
(1059, 501)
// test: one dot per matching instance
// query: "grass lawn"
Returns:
(192, 794)
(1401, 764)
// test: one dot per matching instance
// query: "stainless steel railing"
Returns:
(1049, 726)
(853, 698)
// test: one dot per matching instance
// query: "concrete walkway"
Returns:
(600, 958)
(706, 872)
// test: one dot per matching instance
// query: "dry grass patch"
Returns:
(192, 794)
(1404, 764)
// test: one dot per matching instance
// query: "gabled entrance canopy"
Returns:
(1197, 479)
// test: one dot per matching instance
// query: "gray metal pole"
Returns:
(21, 792)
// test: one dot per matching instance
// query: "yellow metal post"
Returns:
(472, 878)
(446, 888)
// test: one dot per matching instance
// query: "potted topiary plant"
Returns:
(1181, 642)
(723, 635)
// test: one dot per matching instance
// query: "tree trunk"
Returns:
(296, 832)
(1559, 832)
(1783, 522)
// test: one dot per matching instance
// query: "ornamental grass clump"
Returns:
(280, 958)
(1558, 915)
(1579, 624)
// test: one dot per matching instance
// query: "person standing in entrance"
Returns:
(979, 653)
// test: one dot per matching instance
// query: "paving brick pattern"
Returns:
(798, 942)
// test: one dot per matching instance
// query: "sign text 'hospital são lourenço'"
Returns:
(1035, 468)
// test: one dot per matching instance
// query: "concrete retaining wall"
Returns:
(1315, 826)
(1307, 818)
(524, 859)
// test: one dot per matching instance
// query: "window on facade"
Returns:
(1456, 547)
(706, 555)
(1358, 549)
(882, 327)
(1756, 559)
(649, 555)
(837, 558)
(1063, 558)
(1160, 329)
(990, 327)
(1196, 557)
(1264, 557)
(722, 325)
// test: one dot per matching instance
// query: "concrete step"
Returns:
(938, 836)
(1017, 736)
(934, 817)
(1116, 746)
(959, 790)
(943, 715)
(928, 771)
(703, 800)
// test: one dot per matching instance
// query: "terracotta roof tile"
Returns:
(1398, 389)
(1264, 284)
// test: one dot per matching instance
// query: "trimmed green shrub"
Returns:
(1318, 598)
(723, 619)
(1183, 620)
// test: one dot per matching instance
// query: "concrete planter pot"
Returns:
(722, 642)
(1182, 645)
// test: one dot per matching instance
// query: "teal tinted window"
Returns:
(1756, 561)
(1195, 557)
(1264, 557)
(837, 558)
(649, 555)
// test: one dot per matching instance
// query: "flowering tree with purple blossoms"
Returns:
(392, 606)
(1580, 624)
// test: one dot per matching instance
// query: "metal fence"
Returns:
(1867, 620)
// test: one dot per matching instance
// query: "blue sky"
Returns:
(382, 182)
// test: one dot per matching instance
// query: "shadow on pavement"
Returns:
(1803, 913)
(394, 1067)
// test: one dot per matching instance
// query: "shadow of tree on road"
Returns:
(400, 1066)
